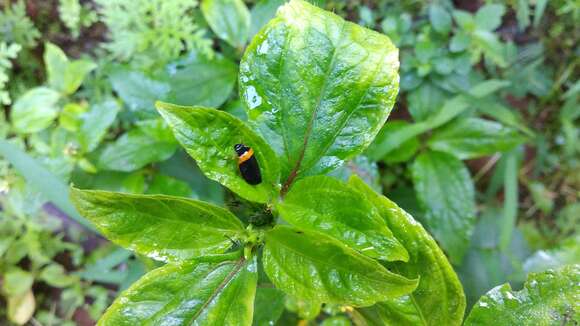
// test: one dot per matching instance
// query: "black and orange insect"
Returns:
(248, 164)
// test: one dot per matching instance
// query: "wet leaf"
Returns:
(318, 268)
(437, 280)
(317, 88)
(549, 298)
(209, 136)
(446, 192)
(330, 206)
(206, 291)
(161, 227)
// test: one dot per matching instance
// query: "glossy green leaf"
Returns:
(550, 298)
(209, 136)
(64, 75)
(206, 291)
(150, 142)
(474, 137)
(315, 267)
(161, 227)
(35, 110)
(197, 80)
(437, 280)
(95, 123)
(268, 306)
(330, 206)
(317, 88)
(445, 190)
(228, 19)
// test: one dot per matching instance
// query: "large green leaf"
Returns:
(206, 291)
(317, 88)
(35, 110)
(437, 280)
(209, 136)
(446, 192)
(229, 20)
(330, 206)
(151, 141)
(162, 227)
(318, 268)
(549, 298)
(474, 137)
(197, 80)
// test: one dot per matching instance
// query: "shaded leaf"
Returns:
(206, 291)
(317, 88)
(402, 153)
(440, 19)
(150, 142)
(262, 12)
(315, 267)
(437, 280)
(268, 306)
(209, 136)
(474, 137)
(95, 123)
(228, 19)
(138, 91)
(330, 206)
(197, 80)
(161, 227)
(446, 192)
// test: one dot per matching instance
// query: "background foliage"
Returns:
(481, 147)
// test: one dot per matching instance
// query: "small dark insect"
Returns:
(248, 164)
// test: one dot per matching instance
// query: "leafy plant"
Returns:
(341, 236)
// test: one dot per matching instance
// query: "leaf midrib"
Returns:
(331, 67)
(239, 264)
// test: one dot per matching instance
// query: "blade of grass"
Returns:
(510, 205)
(36, 175)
